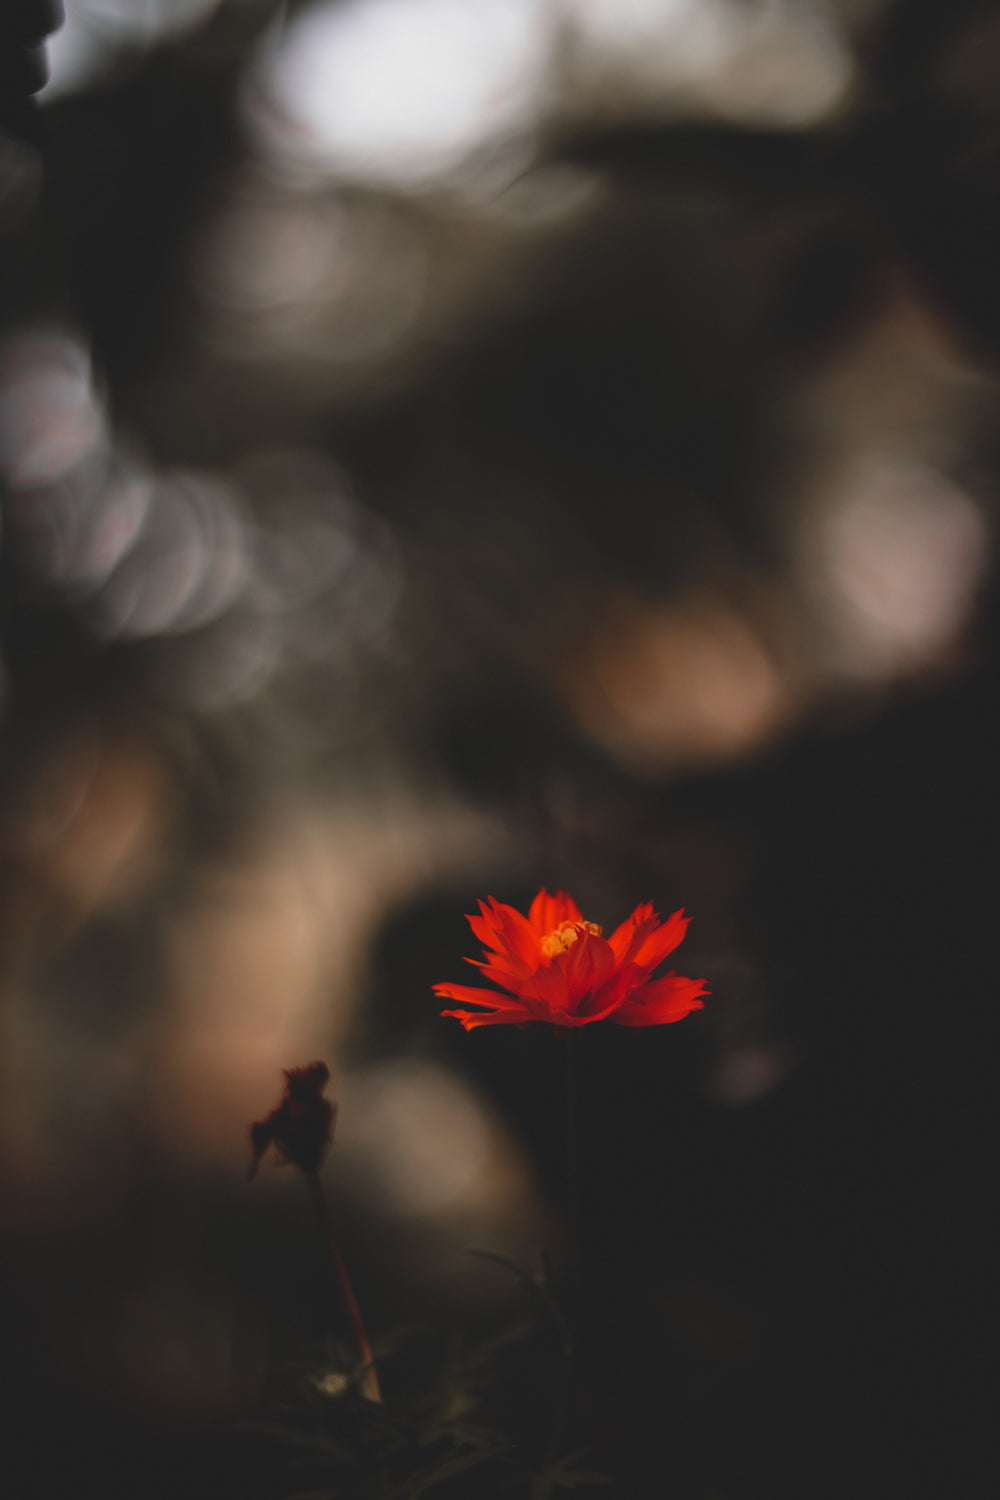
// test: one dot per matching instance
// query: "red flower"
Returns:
(301, 1127)
(554, 966)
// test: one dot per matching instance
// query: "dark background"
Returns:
(569, 504)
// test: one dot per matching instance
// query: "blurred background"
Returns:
(451, 446)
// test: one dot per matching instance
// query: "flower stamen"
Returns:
(565, 935)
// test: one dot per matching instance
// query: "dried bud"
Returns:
(301, 1127)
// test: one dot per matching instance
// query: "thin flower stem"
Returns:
(574, 1257)
(324, 1216)
(573, 1250)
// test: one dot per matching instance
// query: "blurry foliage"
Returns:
(473, 1418)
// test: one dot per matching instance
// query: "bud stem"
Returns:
(324, 1217)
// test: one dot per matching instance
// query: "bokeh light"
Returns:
(761, 63)
(418, 1140)
(98, 35)
(418, 93)
(899, 556)
(311, 278)
(672, 686)
(402, 91)
(50, 419)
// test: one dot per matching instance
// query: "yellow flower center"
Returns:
(565, 935)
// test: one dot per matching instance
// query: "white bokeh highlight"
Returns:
(897, 555)
(402, 91)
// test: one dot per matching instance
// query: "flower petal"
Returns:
(662, 1001)
(662, 941)
(470, 1019)
(626, 940)
(516, 934)
(547, 987)
(616, 989)
(472, 996)
(494, 930)
(549, 912)
(484, 928)
(509, 973)
(589, 964)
